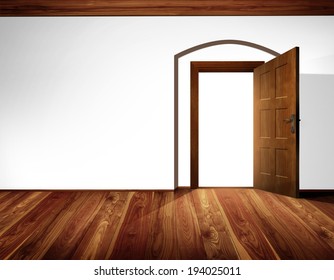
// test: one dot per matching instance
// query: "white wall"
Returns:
(317, 134)
(88, 102)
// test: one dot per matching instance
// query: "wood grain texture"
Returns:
(215, 223)
(11, 199)
(272, 227)
(321, 224)
(217, 239)
(3, 194)
(165, 8)
(101, 232)
(225, 66)
(297, 232)
(276, 146)
(194, 94)
(133, 236)
(13, 238)
(23, 205)
(246, 229)
(36, 246)
(189, 238)
(162, 238)
(324, 203)
(68, 240)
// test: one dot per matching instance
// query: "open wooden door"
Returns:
(276, 124)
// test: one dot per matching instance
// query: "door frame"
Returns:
(207, 66)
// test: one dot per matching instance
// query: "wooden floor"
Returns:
(222, 223)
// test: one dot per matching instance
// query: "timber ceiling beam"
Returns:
(165, 8)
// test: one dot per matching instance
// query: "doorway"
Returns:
(181, 160)
(225, 129)
(276, 120)
(276, 116)
(208, 67)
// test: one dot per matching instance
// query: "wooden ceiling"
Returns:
(165, 8)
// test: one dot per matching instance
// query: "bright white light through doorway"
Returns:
(225, 129)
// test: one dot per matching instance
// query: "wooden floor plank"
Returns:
(246, 230)
(313, 217)
(220, 223)
(39, 243)
(132, 238)
(189, 238)
(3, 194)
(101, 232)
(69, 239)
(285, 244)
(216, 237)
(327, 197)
(162, 241)
(297, 230)
(11, 200)
(12, 239)
(324, 205)
(13, 213)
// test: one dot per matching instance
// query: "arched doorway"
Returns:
(276, 115)
(176, 86)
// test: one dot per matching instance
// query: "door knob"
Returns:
(291, 120)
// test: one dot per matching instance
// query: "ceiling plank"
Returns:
(165, 8)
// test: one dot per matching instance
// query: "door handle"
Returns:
(291, 120)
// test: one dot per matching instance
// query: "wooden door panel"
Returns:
(265, 161)
(275, 143)
(282, 131)
(282, 77)
(265, 86)
(265, 129)
(282, 163)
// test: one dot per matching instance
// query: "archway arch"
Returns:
(176, 87)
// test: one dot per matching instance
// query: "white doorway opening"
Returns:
(225, 129)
